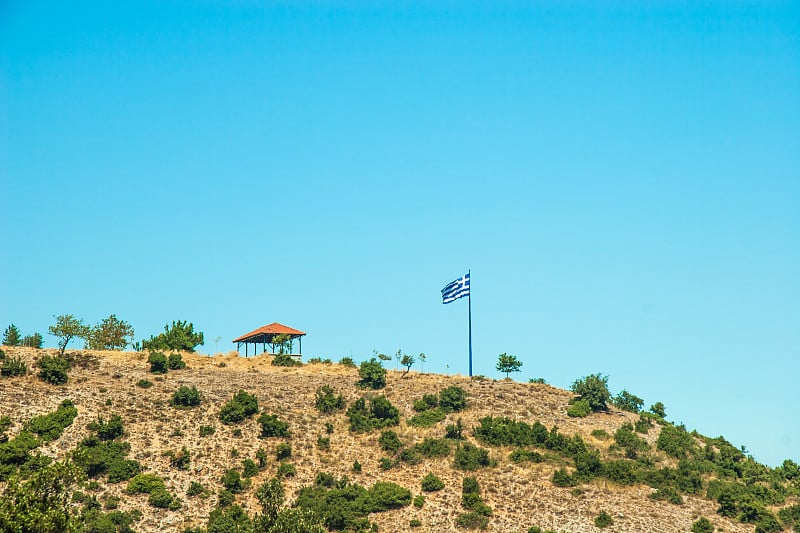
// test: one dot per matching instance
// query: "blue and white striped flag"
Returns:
(456, 289)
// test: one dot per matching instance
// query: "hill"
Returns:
(657, 478)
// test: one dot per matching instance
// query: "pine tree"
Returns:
(11, 336)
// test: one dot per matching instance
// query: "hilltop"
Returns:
(600, 478)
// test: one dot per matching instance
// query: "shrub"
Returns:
(195, 489)
(175, 361)
(233, 482)
(158, 363)
(410, 456)
(414, 523)
(50, 426)
(179, 459)
(579, 409)
(603, 520)
(593, 389)
(658, 410)
(386, 495)
(283, 451)
(522, 455)
(286, 470)
(324, 443)
(453, 399)
(454, 431)
(249, 468)
(326, 401)
(472, 520)
(702, 525)
(372, 374)
(643, 424)
(380, 413)
(625, 438)
(348, 362)
(144, 383)
(431, 483)
(418, 501)
(242, 406)
(284, 359)
(600, 434)
(627, 402)
(668, 493)
(471, 457)
(428, 418)
(186, 397)
(385, 463)
(53, 370)
(428, 401)
(160, 498)
(433, 447)
(675, 441)
(389, 442)
(145, 484)
(356, 468)
(178, 337)
(13, 366)
(272, 426)
(225, 498)
(562, 478)
(107, 430)
(205, 431)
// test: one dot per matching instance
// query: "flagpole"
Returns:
(469, 306)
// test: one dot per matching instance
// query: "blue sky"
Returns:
(622, 179)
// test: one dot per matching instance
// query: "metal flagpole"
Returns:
(469, 306)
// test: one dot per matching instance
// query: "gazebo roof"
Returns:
(269, 331)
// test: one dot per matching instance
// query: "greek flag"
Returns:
(456, 289)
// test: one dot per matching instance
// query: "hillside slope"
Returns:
(521, 495)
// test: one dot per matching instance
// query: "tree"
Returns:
(422, 358)
(593, 389)
(66, 328)
(110, 334)
(508, 363)
(407, 361)
(628, 402)
(43, 501)
(179, 337)
(33, 341)
(11, 336)
(282, 343)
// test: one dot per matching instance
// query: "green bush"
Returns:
(195, 489)
(627, 402)
(107, 430)
(579, 409)
(471, 457)
(158, 363)
(433, 447)
(348, 362)
(427, 418)
(594, 389)
(249, 468)
(431, 483)
(453, 399)
(326, 401)
(284, 359)
(562, 478)
(162, 499)
(356, 468)
(522, 455)
(180, 459)
(389, 442)
(49, 427)
(205, 431)
(603, 520)
(702, 525)
(225, 498)
(286, 470)
(228, 519)
(233, 482)
(506, 432)
(380, 413)
(179, 337)
(175, 361)
(144, 383)
(13, 366)
(283, 451)
(324, 443)
(419, 501)
(676, 442)
(414, 523)
(454, 431)
(242, 406)
(272, 426)
(600, 434)
(626, 439)
(145, 484)
(186, 397)
(428, 401)
(53, 370)
(643, 424)
(372, 373)
(472, 520)
(659, 410)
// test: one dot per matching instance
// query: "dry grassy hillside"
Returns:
(521, 495)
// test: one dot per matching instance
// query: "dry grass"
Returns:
(103, 383)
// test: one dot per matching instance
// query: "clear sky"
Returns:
(622, 179)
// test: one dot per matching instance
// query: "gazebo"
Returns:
(266, 335)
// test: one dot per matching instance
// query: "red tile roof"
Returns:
(270, 330)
